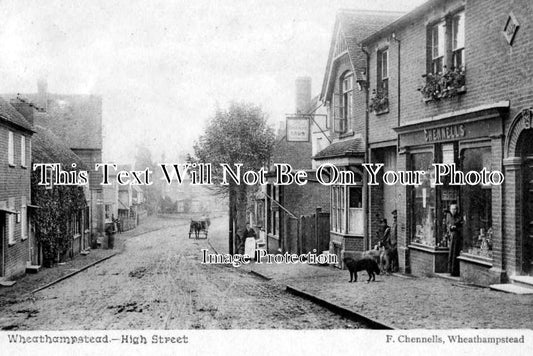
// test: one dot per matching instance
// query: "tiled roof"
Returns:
(355, 25)
(76, 119)
(10, 114)
(48, 148)
(353, 147)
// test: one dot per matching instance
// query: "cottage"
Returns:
(15, 194)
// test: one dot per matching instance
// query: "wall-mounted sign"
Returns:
(510, 28)
(297, 129)
(444, 133)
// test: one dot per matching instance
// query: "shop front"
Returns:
(457, 154)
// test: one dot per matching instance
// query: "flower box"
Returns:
(379, 102)
(443, 85)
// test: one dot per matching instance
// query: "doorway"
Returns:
(527, 255)
(525, 142)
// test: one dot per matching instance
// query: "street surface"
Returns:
(159, 283)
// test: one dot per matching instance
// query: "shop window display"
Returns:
(477, 206)
(424, 218)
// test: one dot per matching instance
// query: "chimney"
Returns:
(303, 94)
(24, 108)
(42, 93)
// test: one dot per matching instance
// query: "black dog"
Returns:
(368, 264)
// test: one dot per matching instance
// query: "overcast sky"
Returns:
(161, 67)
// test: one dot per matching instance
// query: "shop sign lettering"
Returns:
(450, 132)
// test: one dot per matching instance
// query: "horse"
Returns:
(196, 227)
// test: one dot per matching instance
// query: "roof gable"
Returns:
(352, 26)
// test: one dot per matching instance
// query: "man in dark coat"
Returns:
(454, 223)
(394, 242)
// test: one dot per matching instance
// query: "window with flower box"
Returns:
(446, 69)
(379, 101)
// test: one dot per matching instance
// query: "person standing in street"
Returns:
(454, 223)
(393, 256)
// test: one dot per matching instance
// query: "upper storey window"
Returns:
(347, 95)
(458, 36)
(343, 102)
(437, 47)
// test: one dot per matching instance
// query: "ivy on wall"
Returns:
(57, 206)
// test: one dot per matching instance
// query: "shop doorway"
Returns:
(527, 259)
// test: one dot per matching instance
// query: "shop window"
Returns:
(423, 201)
(476, 202)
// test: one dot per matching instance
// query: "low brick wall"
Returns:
(477, 271)
(425, 261)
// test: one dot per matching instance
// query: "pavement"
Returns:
(397, 301)
(28, 284)
(400, 301)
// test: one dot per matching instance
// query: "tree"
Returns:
(239, 134)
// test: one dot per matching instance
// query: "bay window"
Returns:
(347, 216)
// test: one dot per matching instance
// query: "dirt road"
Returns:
(158, 282)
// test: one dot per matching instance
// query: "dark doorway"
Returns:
(526, 144)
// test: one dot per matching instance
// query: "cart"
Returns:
(199, 228)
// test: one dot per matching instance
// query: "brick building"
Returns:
(15, 195)
(453, 80)
(279, 208)
(77, 121)
(343, 92)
